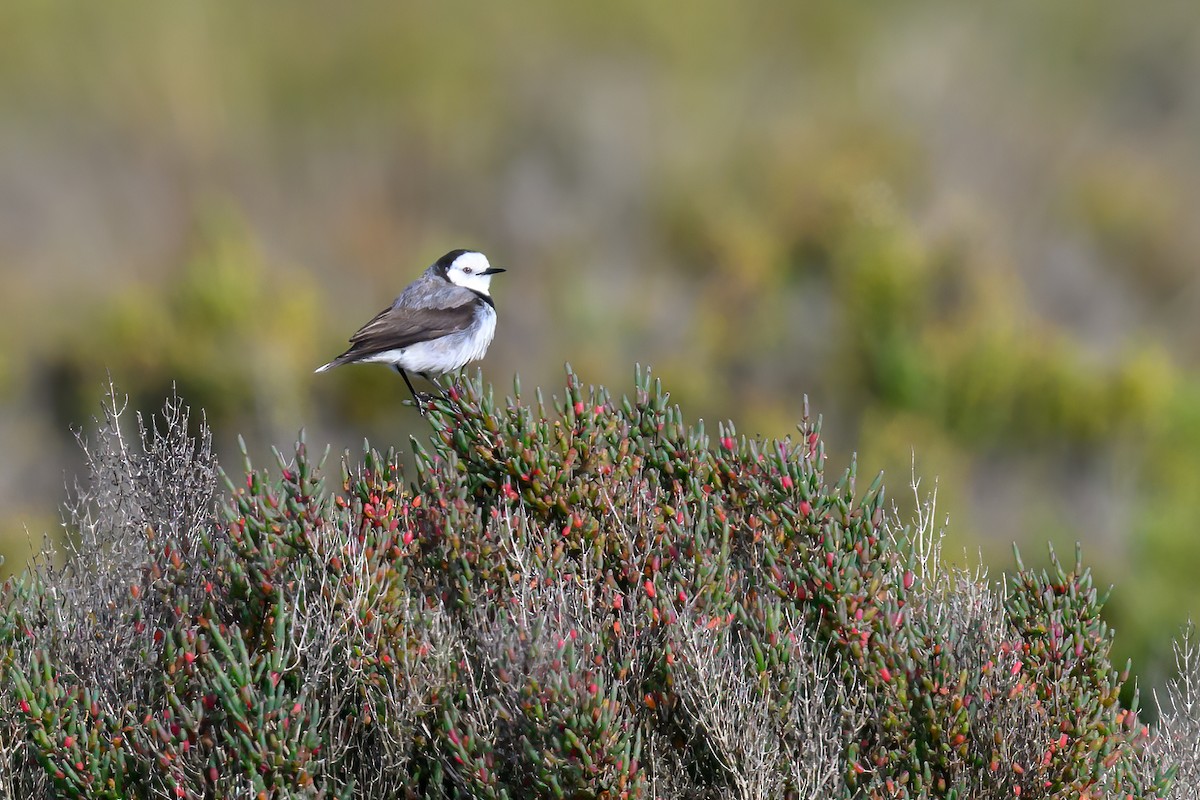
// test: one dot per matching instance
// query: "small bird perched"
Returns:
(440, 322)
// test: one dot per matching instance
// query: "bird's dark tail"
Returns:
(337, 362)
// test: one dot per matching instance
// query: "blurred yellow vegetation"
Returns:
(221, 331)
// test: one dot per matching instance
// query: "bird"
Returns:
(440, 322)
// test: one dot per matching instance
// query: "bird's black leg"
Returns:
(417, 396)
(436, 385)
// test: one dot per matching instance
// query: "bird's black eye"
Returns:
(468, 270)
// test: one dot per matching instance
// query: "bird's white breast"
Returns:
(480, 336)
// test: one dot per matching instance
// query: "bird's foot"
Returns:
(423, 401)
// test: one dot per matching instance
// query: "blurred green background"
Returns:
(967, 231)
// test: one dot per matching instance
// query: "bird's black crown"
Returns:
(442, 264)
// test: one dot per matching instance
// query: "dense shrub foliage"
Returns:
(590, 600)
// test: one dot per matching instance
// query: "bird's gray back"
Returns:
(432, 291)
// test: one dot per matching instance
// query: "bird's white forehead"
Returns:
(477, 262)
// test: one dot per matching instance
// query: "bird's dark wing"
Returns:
(398, 326)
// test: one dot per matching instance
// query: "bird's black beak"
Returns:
(493, 270)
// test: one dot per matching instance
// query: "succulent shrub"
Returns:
(586, 599)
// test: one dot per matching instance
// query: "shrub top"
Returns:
(583, 599)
